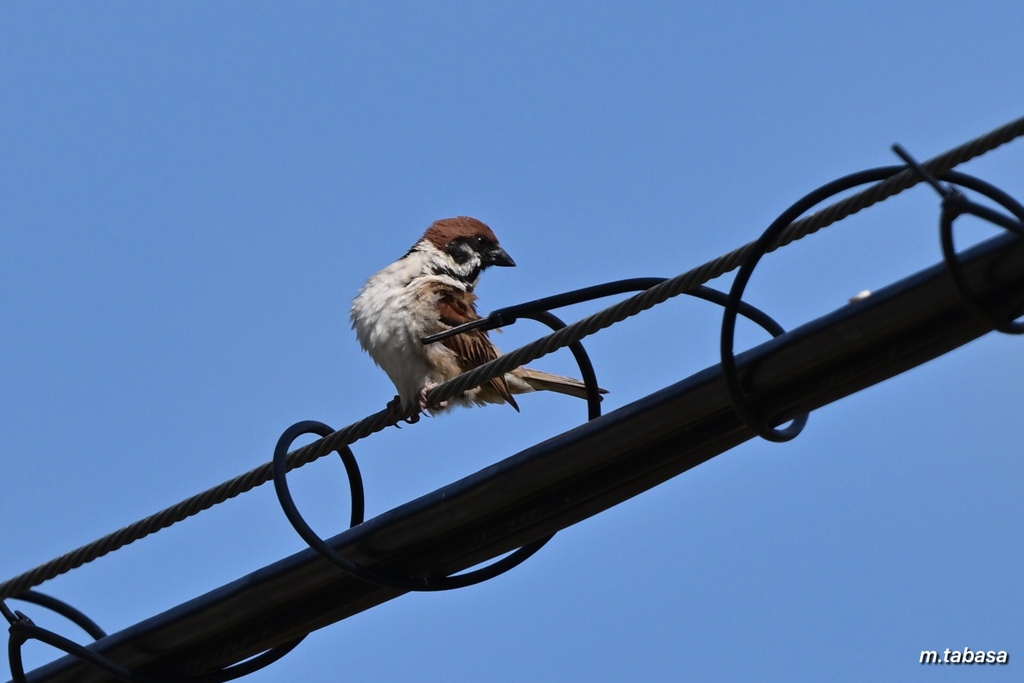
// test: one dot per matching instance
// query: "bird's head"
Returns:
(470, 246)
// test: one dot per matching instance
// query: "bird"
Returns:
(427, 291)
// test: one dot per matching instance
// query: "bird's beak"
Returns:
(499, 257)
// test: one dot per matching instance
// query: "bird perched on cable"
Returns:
(430, 290)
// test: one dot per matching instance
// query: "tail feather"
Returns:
(545, 381)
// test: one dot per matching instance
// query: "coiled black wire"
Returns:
(957, 205)
(954, 204)
(536, 310)
(422, 583)
(22, 629)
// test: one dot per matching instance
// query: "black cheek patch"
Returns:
(460, 251)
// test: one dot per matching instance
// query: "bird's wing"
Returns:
(474, 347)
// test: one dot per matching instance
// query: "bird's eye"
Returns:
(480, 240)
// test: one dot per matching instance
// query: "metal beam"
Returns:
(572, 476)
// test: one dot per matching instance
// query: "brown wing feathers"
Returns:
(473, 348)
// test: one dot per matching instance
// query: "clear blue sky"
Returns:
(191, 193)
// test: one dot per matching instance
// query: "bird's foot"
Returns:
(395, 410)
(423, 397)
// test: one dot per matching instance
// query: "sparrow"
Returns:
(430, 290)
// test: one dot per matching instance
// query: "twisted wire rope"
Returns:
(532, 351)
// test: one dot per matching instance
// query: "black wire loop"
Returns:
(758, 249)
(65, 610)
(587, 372)
(22, 629)
(503, 317)
(422, 583)
(954, 204)
(952, 208)
(957, 205)
(315, 542)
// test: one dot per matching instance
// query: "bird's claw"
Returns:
(394, 409)
(423, 397)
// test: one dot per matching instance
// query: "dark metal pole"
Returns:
(572, 476)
